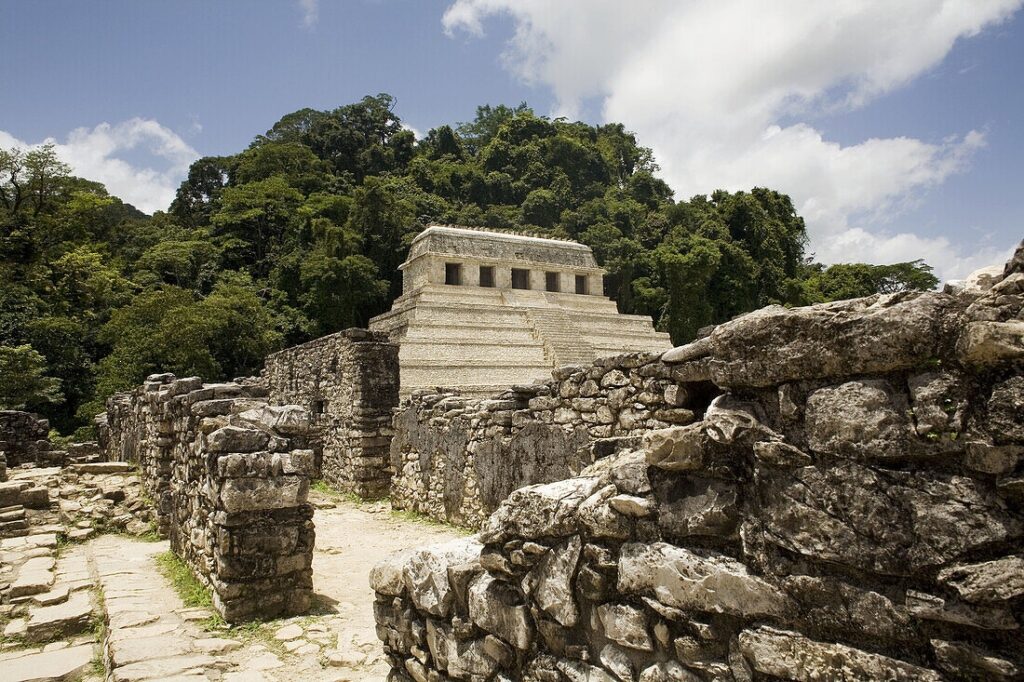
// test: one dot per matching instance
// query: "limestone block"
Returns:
(1006, 411)
(988, 581)
(69, 618)
(537, 511)
(626, 625)
(426, 573)
(961, 659)
(252, 494)
(237, 439)
(864, 418)
(289, 420)
(988, 343)
(61, 664)
(678, 448)
(461, 659)
(386, 576)
(577, 671)
(791, 656)
(493, 608)
(697, 506)
(891, 522)
(550, 582)
(832, 605)
(870, 335)
(684, 579)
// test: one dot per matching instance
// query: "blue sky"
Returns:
(897, 131)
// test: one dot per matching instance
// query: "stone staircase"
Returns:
(564, 343)
(55, 592)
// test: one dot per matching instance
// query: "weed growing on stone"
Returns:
(323, 487)
(192, 592)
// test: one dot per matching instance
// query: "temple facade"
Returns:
(482, 310)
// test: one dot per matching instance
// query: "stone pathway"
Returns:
(56, 602)
(50, 631)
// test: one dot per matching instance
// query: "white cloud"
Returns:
(93, 153)
(310, 12)
(722, 89)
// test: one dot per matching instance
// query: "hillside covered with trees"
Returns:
(300, 235)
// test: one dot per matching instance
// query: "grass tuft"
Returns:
(192, 592)
(424, 520)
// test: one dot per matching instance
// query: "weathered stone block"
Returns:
(790, 655)
(250, 494)
(886, 521)
(684, 579)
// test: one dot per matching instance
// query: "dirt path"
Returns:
(350, 539)
(337, 642)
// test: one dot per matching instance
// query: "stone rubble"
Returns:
(844, 504)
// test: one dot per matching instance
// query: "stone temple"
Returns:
(481, 310)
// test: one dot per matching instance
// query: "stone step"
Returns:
(16, 515)
(10, 492)
(104, 468)
(34, 576)
(13, 529)
(46, 623)
(58, 595)
(63, 664)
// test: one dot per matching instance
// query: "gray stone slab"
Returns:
(49, 665)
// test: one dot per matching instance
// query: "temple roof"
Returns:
(473, 242)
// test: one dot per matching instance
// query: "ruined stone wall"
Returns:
(24, 438)
(851, 507)
(349, 383)
(457, 458)
(229, 475)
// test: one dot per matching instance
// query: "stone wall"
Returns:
(349, 383)
(851, 507)
(457, 458)
(229, 475)
(24, 438)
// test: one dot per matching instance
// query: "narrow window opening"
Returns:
(318, 407)
(581, 284)
(520, 278)
(453, 273)
(487, 275)
(551, 281)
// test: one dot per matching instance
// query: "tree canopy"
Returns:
(301, 234)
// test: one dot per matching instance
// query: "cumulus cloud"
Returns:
(96, 154)
(722, 90)
(310, 12)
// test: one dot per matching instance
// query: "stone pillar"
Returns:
(471, 273)
(595, 284)
(567, 282)
(503, 276)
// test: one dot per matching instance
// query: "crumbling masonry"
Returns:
(849, 507)
(349, 383)
(229, 475)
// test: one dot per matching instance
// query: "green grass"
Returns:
(424, 520)
(99, 633)
(324, 488)
(192, 592)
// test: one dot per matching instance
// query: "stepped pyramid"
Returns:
(481, 311)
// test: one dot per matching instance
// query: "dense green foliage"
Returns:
(301, 234)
